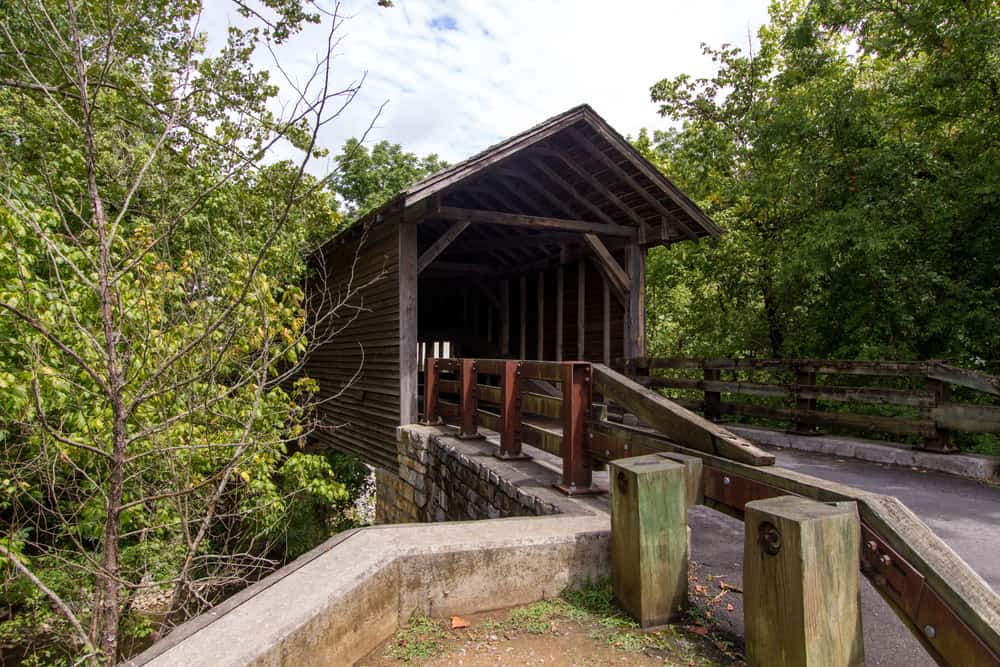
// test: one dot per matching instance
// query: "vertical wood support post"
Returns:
(510, 412)
(941, 440)
(635, 342)
(649, 545)
(606, 319)
(505, 318)
(804, 379)
(560, 292)
(581, 308)
(431, 390)
(713, 399)
(407, 322)
(469, 399)
(541, 315)
(801, 583)
(524, 317)
(576, 402)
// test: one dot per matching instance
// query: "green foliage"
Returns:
(852, 162)
(366, 180)
(152, 420)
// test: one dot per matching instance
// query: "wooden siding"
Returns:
(363, 419)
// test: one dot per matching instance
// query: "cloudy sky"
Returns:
(459, 75)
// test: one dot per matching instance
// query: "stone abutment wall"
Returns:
(443, 478)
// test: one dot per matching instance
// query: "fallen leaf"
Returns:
(699, 630)
(458, 622)
(730, 607)
(700, 590)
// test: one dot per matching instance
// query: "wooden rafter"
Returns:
(593, 182)
(554, 176)
(441, 244)
(623, 175)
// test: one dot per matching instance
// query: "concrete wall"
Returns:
(442, 478)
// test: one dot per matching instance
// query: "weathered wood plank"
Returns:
(675, 422)
(649, 546)
(635, 345)
(407, 323)
(989, 384)
(967, 417)
(801, 586)
(870, 395)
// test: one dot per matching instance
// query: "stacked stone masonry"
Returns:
(441, 478)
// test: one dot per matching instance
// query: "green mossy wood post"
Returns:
(801, 583)
(649, 546)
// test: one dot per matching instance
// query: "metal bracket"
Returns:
(942, 632)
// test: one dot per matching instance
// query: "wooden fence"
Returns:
(915, 399)
(945, 604)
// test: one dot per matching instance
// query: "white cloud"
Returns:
(460, 75)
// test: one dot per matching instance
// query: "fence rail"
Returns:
(792, 392)
(945, 604)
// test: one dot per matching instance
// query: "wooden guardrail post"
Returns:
(431, 388)
(468, 400)
(649, 545)
(577, 397)
(941, 440)
(510, 412)
(801, 583)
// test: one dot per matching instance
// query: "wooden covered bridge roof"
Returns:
(544, 189)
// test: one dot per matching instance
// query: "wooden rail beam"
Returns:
(677, 423)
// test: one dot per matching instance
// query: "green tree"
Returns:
(366, 180)
(851, 160)
(152, 415)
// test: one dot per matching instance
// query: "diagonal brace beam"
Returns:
(441, 244)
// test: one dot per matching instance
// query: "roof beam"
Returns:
(535, 222)
(533, 241)
(441, 244)
(597, 153)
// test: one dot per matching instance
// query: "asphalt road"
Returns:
(964, 513)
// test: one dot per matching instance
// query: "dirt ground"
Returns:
(578, 629)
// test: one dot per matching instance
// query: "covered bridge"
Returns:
(533, 249)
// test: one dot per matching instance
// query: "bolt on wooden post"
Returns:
(649, 545)
(801, 583)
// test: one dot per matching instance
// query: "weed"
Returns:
(421, 638)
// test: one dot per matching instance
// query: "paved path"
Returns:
(965, 514)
